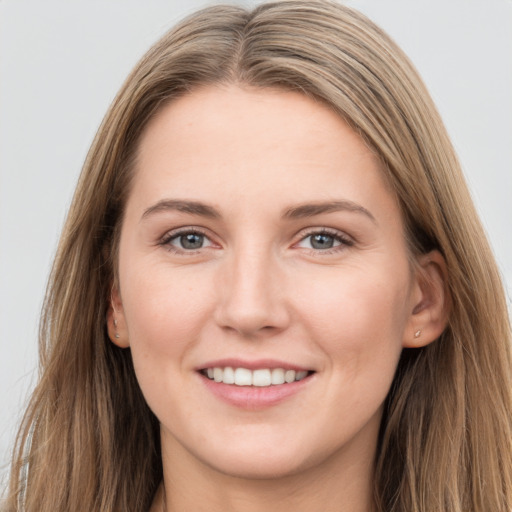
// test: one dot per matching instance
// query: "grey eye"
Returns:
(186, 240)
(191, 240)
(322, 241)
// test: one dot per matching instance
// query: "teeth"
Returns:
(243, 377)
(289, 376)
(228, 376)
(261, 378)
(218, 375)
(277, 376)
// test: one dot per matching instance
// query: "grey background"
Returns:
(61, 63)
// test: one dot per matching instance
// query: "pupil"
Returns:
(322, 241)
(191, 241)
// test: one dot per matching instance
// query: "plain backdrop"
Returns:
(61, 63)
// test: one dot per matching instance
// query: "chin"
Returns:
(259, 461)
(249, 469)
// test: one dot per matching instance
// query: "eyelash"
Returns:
(343, 240)
(169, 237)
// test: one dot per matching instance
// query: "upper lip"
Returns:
(255, 364)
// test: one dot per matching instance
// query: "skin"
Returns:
(257, 288)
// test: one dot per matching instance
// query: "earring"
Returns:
(417, 334)
(116, 335)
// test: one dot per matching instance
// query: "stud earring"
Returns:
(116, 335)
(417, 334)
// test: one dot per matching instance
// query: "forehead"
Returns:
(230, 141)
(262, 118)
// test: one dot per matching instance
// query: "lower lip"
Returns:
(254, 397)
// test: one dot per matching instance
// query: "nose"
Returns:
(251, 294)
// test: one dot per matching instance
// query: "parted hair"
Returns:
(88, 440)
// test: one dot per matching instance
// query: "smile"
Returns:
(263, 377)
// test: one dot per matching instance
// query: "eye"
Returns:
(325, 240)
(322, 241)
(185, 241)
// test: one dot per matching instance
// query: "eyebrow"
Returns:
(312, 209)
(193, 207)
(296, 212)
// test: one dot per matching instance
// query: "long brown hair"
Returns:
(88, 440)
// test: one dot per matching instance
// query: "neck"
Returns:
(329, 487)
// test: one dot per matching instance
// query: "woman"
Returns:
(272, 290)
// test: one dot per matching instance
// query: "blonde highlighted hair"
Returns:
(88, 440)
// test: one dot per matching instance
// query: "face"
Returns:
(265, 283)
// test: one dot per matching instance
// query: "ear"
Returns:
(431, 301)
(116, 324)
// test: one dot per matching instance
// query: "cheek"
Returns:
(164, 311)
(359, 296)
(164, 318)
(359, 317)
